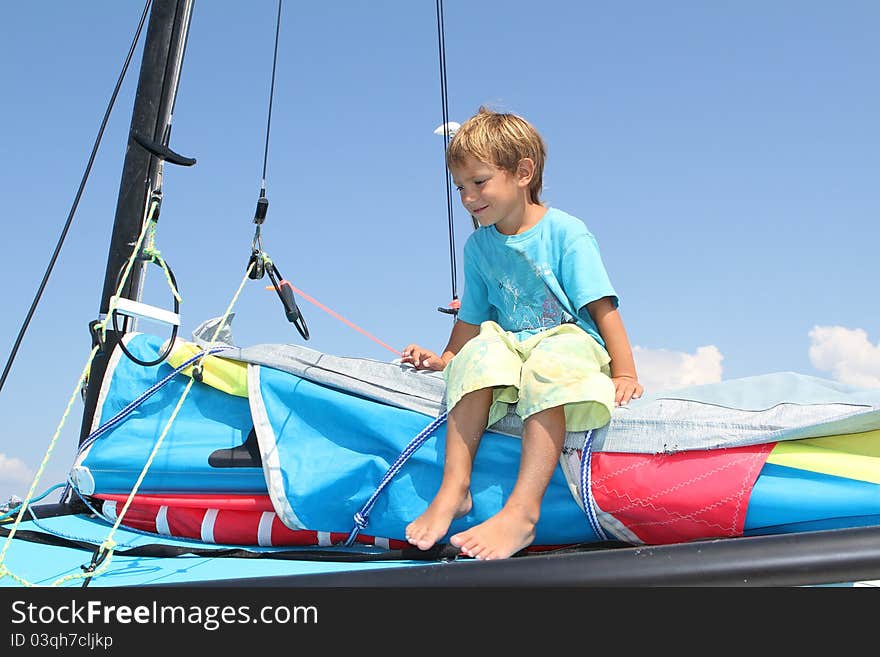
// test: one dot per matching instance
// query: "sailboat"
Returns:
(204, 463)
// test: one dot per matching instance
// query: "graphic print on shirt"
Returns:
(526, 303)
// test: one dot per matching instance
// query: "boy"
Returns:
(538, 327)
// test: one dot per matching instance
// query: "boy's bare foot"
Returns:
(499, 537)
(433, 524)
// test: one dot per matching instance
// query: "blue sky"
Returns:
(725, 155)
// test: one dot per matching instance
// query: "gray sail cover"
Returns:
(732, 413)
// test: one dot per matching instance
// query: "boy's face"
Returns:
(491, 195)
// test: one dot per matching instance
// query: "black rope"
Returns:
(170, 342)
(271, 97)
(441, 42)
(76, 200)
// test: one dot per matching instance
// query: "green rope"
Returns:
(105, 552)
(4, 571)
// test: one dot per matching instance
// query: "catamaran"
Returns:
(203, 462)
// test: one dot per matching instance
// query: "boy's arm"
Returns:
(424, 359)
(623, 366)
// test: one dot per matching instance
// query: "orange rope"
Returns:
(335, 314)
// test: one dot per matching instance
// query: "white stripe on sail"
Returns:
(162, 521)
(264, 531)
(208, 525)
(109, 509)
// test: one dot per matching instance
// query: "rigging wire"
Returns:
(177, 71)
(260, 263)
(271, 97)
(76, 199)
(262, 201)
(441, 43)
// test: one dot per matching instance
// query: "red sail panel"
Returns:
(671, 498)
(223, 519)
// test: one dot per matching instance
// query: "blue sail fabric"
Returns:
(797, 499)
(209, 421)
(326, 451)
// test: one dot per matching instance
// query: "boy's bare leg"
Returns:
(465, 426)
(513, 527)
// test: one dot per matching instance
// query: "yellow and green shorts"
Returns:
(562, 366)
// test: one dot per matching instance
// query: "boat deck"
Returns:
(44, 565)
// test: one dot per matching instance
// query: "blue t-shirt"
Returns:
(536, 280)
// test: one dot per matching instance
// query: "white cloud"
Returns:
(15, 477)
(847, 354)
(661, 369)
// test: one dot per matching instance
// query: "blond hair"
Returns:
(501, 140)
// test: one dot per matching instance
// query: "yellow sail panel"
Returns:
(229, 376)
(853, 455)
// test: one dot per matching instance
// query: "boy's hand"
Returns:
(422, 359)
(625, 388)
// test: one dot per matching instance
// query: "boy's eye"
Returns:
(479, 182)
(459, 187)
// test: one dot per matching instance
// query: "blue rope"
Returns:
(152, 390)
(586, 489)
(54, 532)
(362, 517)
(72, 537)
(14, 510)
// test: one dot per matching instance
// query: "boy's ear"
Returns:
(525, 171)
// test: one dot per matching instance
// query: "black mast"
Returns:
(141, 172)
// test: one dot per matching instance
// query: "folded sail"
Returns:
(312, 436)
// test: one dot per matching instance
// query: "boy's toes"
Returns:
(419, 538)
